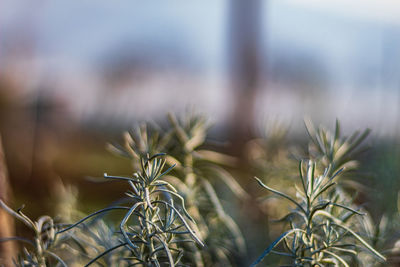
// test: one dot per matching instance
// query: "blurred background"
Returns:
(75, 74)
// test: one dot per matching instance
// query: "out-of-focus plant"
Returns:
(86, 240)
(195, 175)
(385, 234)
(331, 149)
(154, 226)
(43, 243)
(269, 154)
(321, 224)
(201, 168)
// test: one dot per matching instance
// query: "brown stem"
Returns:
(7, 249)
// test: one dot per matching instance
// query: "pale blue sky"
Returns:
(349, 45)
(80, 33)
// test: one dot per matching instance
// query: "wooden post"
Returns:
(244, 59)
(7, 249)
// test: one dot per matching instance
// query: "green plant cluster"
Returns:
(326, 227)
(173, 213)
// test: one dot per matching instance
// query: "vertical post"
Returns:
(244, 60)
(7, 249)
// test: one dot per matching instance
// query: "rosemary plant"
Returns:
(320, 232)
(154, 226)
(330, 148)
(333, 150)
(43, 243)
(194, 175)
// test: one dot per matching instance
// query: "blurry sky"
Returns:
(132, 59)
